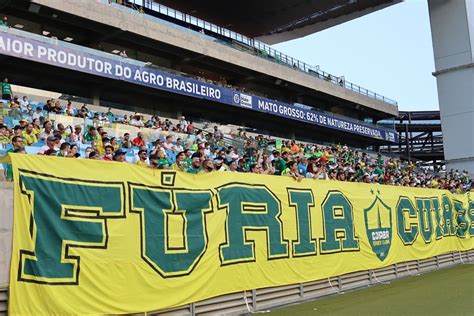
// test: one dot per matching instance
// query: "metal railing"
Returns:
(258, 48)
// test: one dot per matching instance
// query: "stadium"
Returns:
(162, 157)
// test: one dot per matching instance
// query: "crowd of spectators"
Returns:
(208, 151)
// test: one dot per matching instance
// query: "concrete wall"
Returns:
(452, 28)
(134, 23)
(6, 226)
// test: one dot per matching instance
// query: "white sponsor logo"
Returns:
(236, 98)
(245, 100)
(390, 136)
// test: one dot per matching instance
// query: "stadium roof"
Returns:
(274, 21)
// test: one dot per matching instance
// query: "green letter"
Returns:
(460, 219)
(250, 208)
(338, 222)
(66, 214)
(409, 233)
(448, 226)
(424, 215)
(438, 229)
(302, 200)
(161, 209)
(470, 214)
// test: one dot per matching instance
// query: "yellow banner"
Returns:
(93, 237)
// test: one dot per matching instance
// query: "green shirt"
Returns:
(280, 166)
(193, 171)
(89, 137)
(285, 171)
(378, 171)
(6, 88)
(8, 168)
(163, 161)
(262, 143)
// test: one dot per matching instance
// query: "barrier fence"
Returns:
(145, 240)
(263, 299)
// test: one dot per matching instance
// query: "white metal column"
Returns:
(452, 29)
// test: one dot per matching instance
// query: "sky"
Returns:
(388, 52)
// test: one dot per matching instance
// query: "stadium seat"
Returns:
(171, 155)
(32, 150)
(8, 121)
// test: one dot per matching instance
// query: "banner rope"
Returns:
(334, 288)
(377, 280)
(248, 306)
(464, 262)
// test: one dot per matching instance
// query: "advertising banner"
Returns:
(70, 56)
(96, 237)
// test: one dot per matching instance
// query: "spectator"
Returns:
(109, 113)
(255, 168)
(50, 152)
(50, 144)
(302, 166)
(233, 166)
(207, 166)
(126, 143)
(195, 166)
(7, 91)
(163, 163)
(94, 155)
(64, 150)
(29, 136)
(139, 141)
(47, 130)
(137, 120)
(217, 133)
(74, 151)
(179, 145)
(190, 128)
(280, 162)
(15, 111)
(4, 22)
(57, 108)
(24, 104)
(76, 135)
(37, 114)
(168, 144)
(142, 158)
(92, 135)
(104, 119)
(3, 110)
(62, 131)
(69, 109)
(4, 135)
(109, 153)
(219, 164)
(181, 164)
(119, 155)
(114, 144)
(292, 171)
(183, 124)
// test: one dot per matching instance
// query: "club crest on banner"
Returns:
(378, 224)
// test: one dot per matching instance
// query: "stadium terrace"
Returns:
(184, 147)
(152, 162)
